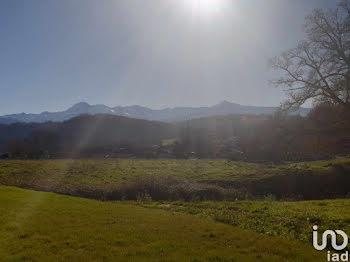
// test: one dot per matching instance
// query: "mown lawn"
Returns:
(290, 220)
(37, 226)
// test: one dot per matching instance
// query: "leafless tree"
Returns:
(319, 67)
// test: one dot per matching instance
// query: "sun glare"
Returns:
(205, 7)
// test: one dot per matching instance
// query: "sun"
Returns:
(205, 8)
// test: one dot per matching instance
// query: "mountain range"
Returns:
(139, 112)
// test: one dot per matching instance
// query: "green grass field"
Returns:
(116, 171)
(37, 226)
(72, 173)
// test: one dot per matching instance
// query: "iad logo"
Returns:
(333, 237)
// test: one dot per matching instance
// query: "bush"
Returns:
(169, 188)
(144, 197)
(270, 197)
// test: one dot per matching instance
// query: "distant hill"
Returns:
(106, 133)
(87, 131)
(139, 112)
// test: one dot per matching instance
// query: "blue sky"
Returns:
(153, 53)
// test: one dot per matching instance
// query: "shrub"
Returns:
(270, 197)
(170, 188)
(144, 197)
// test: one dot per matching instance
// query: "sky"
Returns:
(154, 53)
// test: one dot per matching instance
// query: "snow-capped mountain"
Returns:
(139, 112)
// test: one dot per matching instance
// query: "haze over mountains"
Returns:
(139, 112)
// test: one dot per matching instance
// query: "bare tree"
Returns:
(319, 67)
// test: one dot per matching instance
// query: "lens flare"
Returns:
(206, 8)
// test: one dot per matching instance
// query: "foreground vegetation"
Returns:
(39, 226)
(78, 229)
(291, 220)
(127, 179)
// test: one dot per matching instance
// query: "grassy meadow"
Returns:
(44, 226)
(39, 226)
(194, 179)
(115, 171)
(118, 170)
